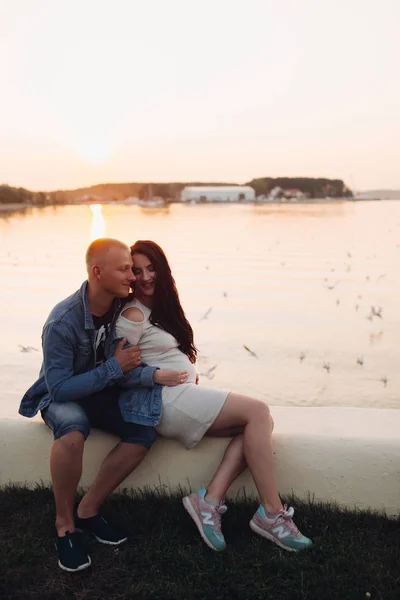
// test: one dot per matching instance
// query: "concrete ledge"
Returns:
(347, 455)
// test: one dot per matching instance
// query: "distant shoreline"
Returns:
(10, 206)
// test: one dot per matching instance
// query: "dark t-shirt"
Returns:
(102, 325)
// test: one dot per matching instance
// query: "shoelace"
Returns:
(285, 517)
(218, 511)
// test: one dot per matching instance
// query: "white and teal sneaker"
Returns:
(207, 517)
(280, 529)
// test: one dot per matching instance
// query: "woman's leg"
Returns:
(231, 466)
(255, 417)
(272, 520)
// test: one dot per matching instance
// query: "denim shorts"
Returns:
(100, 410)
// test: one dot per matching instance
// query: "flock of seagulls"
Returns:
(375, 312)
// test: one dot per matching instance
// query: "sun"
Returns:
(94, 149)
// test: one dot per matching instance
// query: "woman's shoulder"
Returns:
(133, 311)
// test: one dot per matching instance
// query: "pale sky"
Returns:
(98, 91)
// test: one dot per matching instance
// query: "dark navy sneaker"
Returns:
(71, 555)
(101, 529)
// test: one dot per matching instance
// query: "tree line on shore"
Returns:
(309, 186)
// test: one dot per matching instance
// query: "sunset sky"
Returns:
(98, 91)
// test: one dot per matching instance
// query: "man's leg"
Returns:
(119, 463)
(135, 442)
(70, 427)
(66, 471)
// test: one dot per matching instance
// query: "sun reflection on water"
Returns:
(98, 223)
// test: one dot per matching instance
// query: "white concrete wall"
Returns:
(349, 455)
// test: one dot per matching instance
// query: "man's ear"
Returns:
(96, 272)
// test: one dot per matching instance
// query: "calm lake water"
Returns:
(294, 283)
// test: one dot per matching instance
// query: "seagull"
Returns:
(206, 314)
(250, 351)
(375, 312)
(384, 380)
(27, 348)
(327, 367)
(302, 356)
(332, 286)
(210, 373)
(360, 360)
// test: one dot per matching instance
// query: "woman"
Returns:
(155, 320)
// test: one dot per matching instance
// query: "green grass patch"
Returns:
(355, 553)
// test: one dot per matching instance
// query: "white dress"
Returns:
(188, 410)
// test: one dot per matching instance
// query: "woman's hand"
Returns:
(197, 378)
(170, 377)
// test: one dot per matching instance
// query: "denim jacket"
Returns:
(68, 371)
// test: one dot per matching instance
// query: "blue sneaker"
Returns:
(280, 529)
(207, 518)
(101, 529)
(71, 555)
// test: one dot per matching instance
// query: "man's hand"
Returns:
(170, 377)
(127, 358)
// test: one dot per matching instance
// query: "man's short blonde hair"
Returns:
(97, 252)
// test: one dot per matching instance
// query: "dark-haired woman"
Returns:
(155, 320)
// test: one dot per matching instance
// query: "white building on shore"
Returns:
(203, 193)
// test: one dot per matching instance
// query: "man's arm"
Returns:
(58, 359)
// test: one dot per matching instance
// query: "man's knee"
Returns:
(71, 441)
(137, 450)
(65, 418)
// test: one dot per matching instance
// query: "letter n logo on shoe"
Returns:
(207, 518)
(280, 531)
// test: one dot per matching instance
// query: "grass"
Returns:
(355, 553)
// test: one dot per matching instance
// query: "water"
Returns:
(294, 283)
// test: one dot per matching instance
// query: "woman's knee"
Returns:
(260, 410)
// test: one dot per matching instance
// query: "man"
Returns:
(78, 389)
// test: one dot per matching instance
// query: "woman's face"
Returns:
(145, 275)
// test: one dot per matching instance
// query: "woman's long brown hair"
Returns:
(167, 311)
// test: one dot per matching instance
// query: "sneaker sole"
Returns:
(270, 537)
(188, 506)
(80, 568)
(108, 542)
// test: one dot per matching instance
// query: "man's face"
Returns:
(116, 272)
